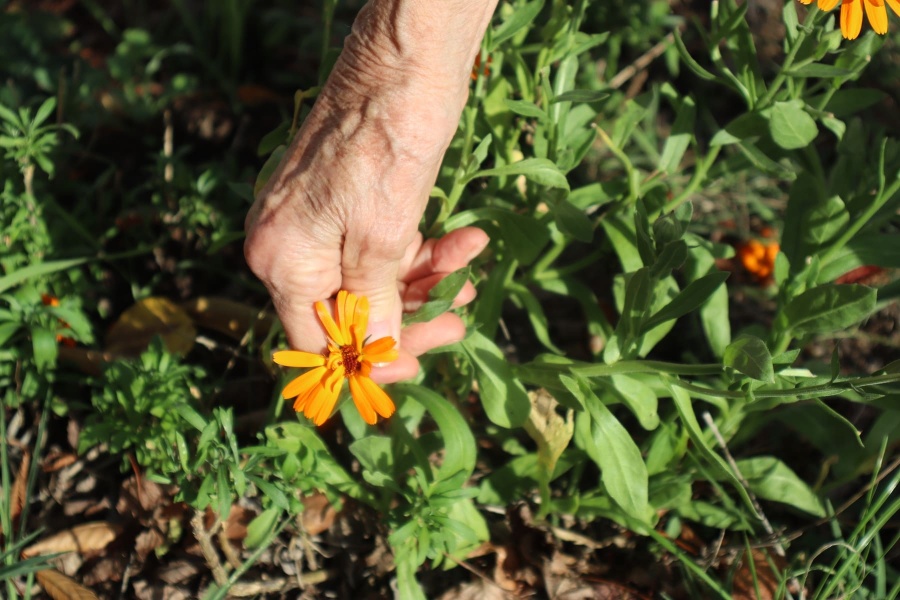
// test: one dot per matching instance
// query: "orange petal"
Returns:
(381, 357)
(361, 318)
(851, 18)
(380, 345)
(895, 6)
(320, 407)
(303, 400)
(379, 399)
(301, 385)
(877, 14)
(826, 4)
(349, 315)
(363, 405)
(340, 315)
(330, 327)
(298, 358)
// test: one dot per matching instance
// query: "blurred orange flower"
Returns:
(52, 301)
(346, 357)
(852, 14)
(758, 258)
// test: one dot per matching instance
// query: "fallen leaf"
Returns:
(19, 488)
(745, 587)
(82, 539)
(62, 587)
(57, 461)
(231, 318)
(318, 514)
(132, 332)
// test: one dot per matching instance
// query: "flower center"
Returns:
(350, 359)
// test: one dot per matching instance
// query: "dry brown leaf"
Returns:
(744, 586)
(318, 514)
(89, 362)
(62, 587)
(132, 332)
(549, 431)
(231, 318)
(57, 461)
(83, 539)
(19, 488)
(477, 589)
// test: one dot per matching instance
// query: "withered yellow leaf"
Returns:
(132, 332)
(63, 587)
(86, 538)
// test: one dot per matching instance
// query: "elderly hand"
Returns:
(342, 209)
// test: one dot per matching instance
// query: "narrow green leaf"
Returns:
(771, 479)
(260, 527)
(608, 443)
(525, 108)
(37, 270)
(440, 297)
(520, 18)
(538, 170)
(829, 308)
(581, 96)
(690, 298)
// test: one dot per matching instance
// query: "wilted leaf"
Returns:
(548, 429)
(82, 539)
(19, 488)
(61, 587)
(228, 317)
(136, 327)
(318, 514)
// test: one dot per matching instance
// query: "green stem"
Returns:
(696, 181)
(789, 59)
(813, 391)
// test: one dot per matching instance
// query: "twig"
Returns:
(209, 552)
(228, 550)
(281, 584)
(776, 542)
(642, 62)
(779, 549)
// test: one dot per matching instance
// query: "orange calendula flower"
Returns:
(758, 259)
(852, 14)
(348, 356)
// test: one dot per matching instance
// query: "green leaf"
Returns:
(771, 479)
(535, 315)
(190, 415)
(690, 298)
(571, 221)
(44, 111)
(750, 355)
(819, 71)
(679, 138)
(872, 249)
(608, 443)
(581, 96)
(682, 402)
(440, 297)
(259, 528)
(538, 170)
(849, 102)
(689, 61)
(748, 125)
(37, 270)
(520, 18)
(791, 126)
(43, 342)
(639, 397)
(829, 308)
(268, 169)
(502, 395)
(459, 443)
(525, 108)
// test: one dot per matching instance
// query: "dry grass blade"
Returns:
(19, 489)
(83, 539)
(62, 587)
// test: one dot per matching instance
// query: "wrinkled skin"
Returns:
(342, 209)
